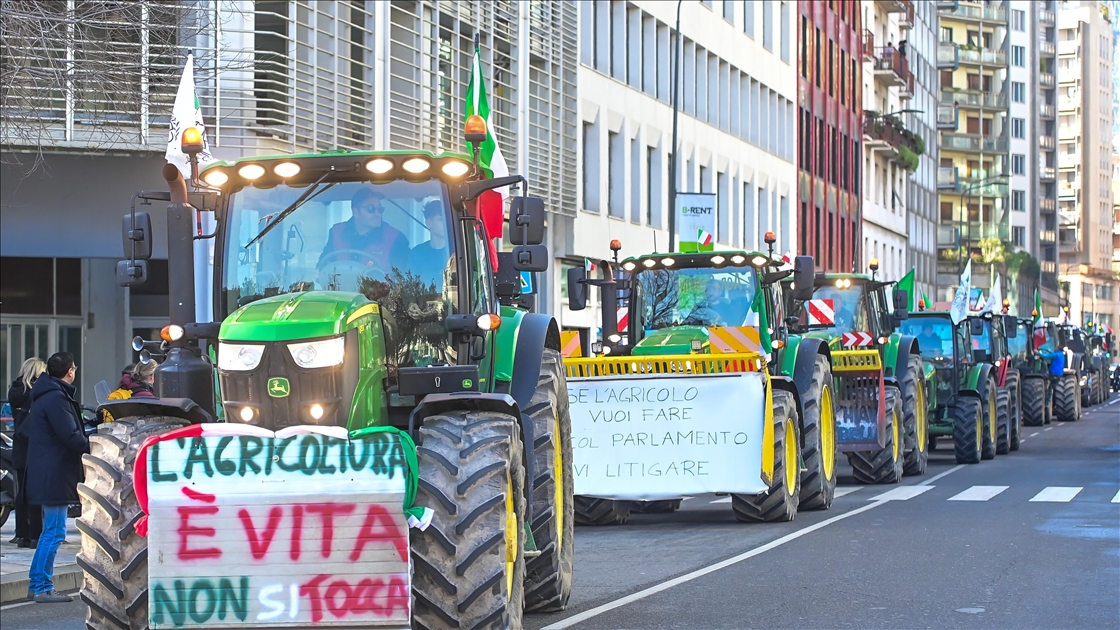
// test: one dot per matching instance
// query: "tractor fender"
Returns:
(807, 351)
(434, 404)
(965, 393)
(892, 381)
(536, 332)
(898, 353)
(184, 408)
(787, 384)
(980, 385)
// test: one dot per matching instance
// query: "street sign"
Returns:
(856, 339)
(528, 283)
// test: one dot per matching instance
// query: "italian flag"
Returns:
(703, 238)
(588, 266)
(186, 113)
(489, 154)
(1037, 306)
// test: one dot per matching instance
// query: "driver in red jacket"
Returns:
(367, 232)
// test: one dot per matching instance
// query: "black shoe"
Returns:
(22, 543)
(52, 597)
(14, 540)
(34, 543)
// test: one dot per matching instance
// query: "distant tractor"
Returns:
(991, 346)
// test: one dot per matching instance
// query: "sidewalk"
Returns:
(15, 563)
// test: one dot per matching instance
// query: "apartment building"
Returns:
(1085, 147)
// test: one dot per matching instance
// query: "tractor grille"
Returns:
(332, 388)
(669, 365)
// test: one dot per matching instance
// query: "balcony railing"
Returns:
(1046, 18)
(948, 117)
(886, 133)
(1046, 49)
(1068, 103)
(948, 178)
(1069, 160)
(947, 5)
(1046, 110)
(1047, 204)
(1047, 236)
(1046, 142)
(1069, 47)
(1068, 132)
(985, 56)
(891, 67)
(948, 56)
(1047, 173)
(896, 6)
(981, 12)
(1046, 79)
(1068, 189)
(970, 99)
(972, 142)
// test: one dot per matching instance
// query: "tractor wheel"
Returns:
(666, 506)
(780, 502)
(968, 430)
(1066, 399)
(548, 577)
(595, 511)
(113, 558)
(914, 420)
(1034, 402)
(469, 564)
(885, 465)
(5, 512)
(1015, 393)
(818, 435)
(1003, 422)
(1087, 392)
(990, 418)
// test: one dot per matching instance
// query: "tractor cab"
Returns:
(1020, 346)
(946, 346)
(852, 311)
(990, 345)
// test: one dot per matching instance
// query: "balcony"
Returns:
(1069, 47)
(1048, 266)
(1047, 173)
(1046, 49)
(1046, 142)
(948, 178)
(1068, 132)
(948, 117)
(947, 5)
(974, 12)
(906, 20)
(983, 188)
(1046, 18)
(983, 56)
(1046, 79)
(972, 143)
(1068, 103)
(890, 67)
(1069, 160)
(896, 6)
(1068, 189)
(948, 56)
(973, 99)
(1047, 236)
(1046, 110)
(886, 134)
(1046, 204)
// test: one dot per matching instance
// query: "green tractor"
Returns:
(991, 347)
(1099, 342)
(699, 313)
(1071, 395)
(965, 399)
(353, 292)
(1035, 381)
(882, 390)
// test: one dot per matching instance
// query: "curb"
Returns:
(13, 588)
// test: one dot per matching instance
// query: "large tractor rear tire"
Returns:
(781, 501)
(1034, 401)
(989, 418)
(548, 577)
(914, 419)
(595, 511)
(664, 506)
(113, 557)
(818, 436)
(1088, 392)
(469, 565)
(1003, 422)
(968, 429)
(1015, 401)
(884, 465)
(1067, 400)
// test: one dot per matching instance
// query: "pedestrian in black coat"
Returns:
(29, 520)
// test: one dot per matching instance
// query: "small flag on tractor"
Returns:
(1037, 306)
(959, 310)
(588, 266)
(187, 112)
(907, 284)
(822, 312)
(703, 237)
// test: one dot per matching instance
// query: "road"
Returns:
(1030, 540)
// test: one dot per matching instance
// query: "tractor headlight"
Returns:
(318, 354)
(239, 357)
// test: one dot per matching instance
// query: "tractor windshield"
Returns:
(983, 341)
(849, 308)
(696, 297)
(1018, 345)
(935, 336)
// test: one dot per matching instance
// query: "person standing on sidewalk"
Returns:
(29, 520)
(55, 446)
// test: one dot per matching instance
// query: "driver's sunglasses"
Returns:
(372, 209)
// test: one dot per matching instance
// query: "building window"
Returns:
(590, 168)
(729, 11)
(1018, 56)
(1018, 92)
(1019, 236)
(1018, 128)
(1018, 20)
(768, 25)
(1018, 164)
(748, 17)
(946, 34)
(783, 25)
(636, 181)
(616, 188)
(1018, 200)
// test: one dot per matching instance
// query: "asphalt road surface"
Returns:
(1029, 540)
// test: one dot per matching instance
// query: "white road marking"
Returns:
(685, 498)
(1116, 499)
(699, 573)
(840, 492)
(902, 493)
(938, 476)
(10, 606)
(978, 493)
(1034, 434)
(1048, 429)
(1056, 494)
(723, 500)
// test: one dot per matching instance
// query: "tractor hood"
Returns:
(677, 340)
(306, 315)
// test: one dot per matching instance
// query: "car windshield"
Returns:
(935, 336)
(390, 242)
(700, 297)
(849, 312)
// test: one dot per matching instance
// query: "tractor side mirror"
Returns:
(526, 221)
(976, 326)
(136, 236)
(803, 278)
(132, 272)
(901, 299)
(530, 258)
(577, 289)
(1010, 326)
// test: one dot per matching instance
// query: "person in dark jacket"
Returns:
(137, 381)
(55, 446)
(29, 520)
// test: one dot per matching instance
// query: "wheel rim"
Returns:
(511, 537)
(790, 463)
(558, 474)
(992, 416)
(922, 429)
(828, 432)
(894, 436)
(979, 430)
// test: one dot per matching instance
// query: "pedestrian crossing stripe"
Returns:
(1056, 494)
(978, 493)
(734, 340)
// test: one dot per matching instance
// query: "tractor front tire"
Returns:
(548, 577)
(884, 465)
(1067, 400)
(780, 502)
(818, 435)
(1003, 422)
(664, 506)
(1034, 401)
(113, 557)
(469, 564)
(989, 418)
(967, 429)
(595, 511)
(914, 419)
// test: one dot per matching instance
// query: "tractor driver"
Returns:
(727, 313)
(365, 238)
(429, 259)
(929, 341)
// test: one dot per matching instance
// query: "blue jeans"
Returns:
(54, 532)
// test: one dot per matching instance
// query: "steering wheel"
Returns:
(367, 266)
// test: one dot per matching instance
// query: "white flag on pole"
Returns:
(186, 113)
(995, 298)
(959, 310)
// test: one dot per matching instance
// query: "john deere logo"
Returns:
(468, 383)
(278, 387)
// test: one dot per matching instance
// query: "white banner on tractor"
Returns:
(662, 438)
